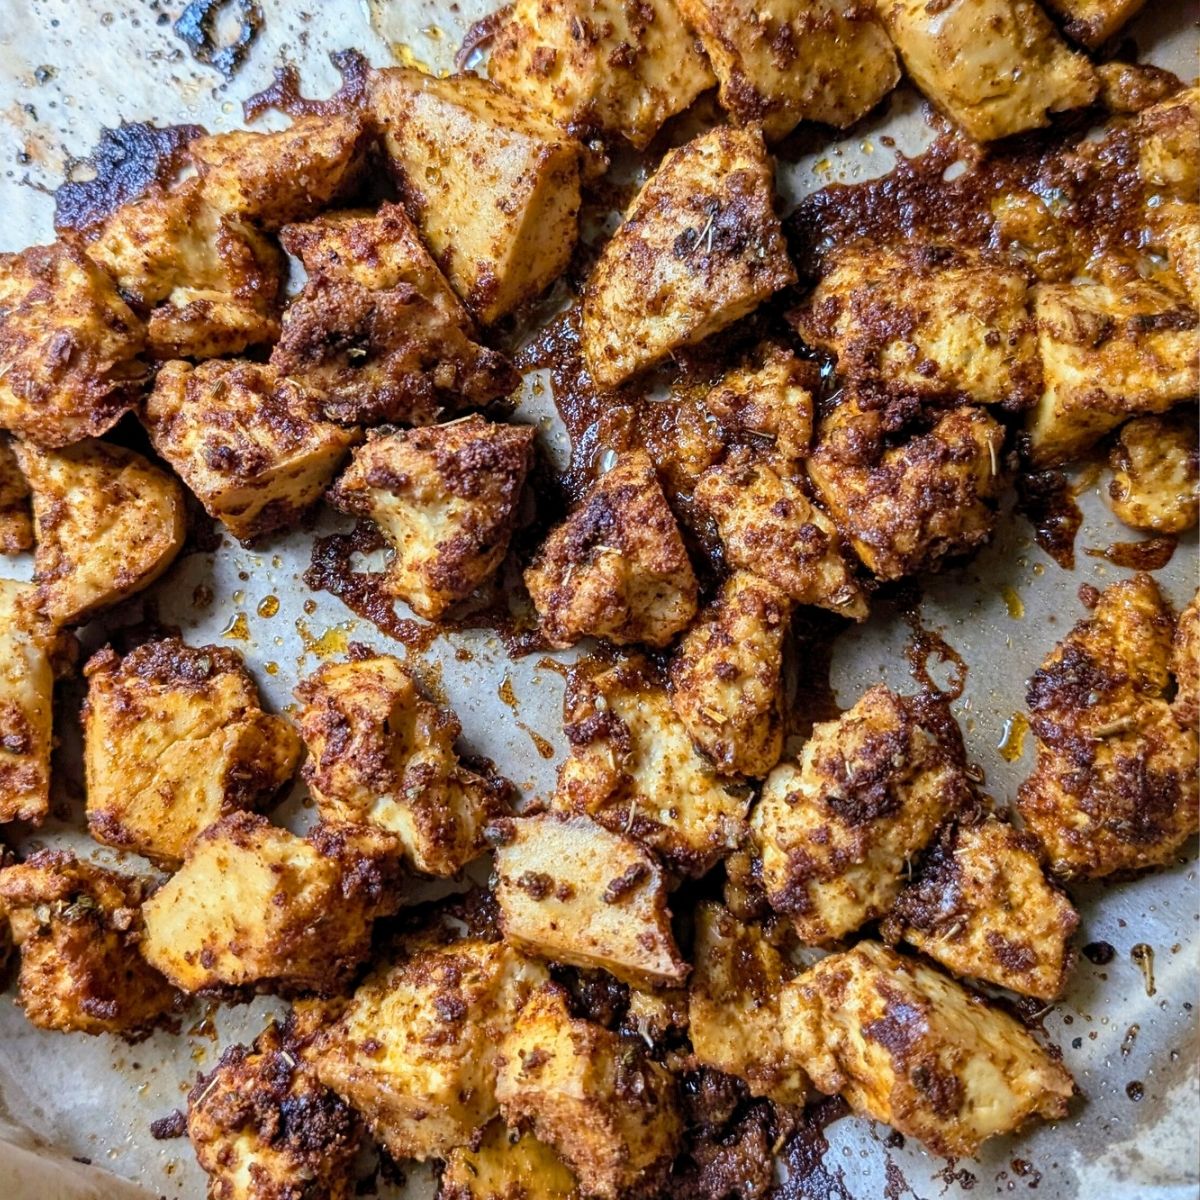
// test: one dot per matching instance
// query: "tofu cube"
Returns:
(609, 1110)
(1185, 666)
(1155, 481)
(175, 739)
(601, 66)
(380, 754)
(78, 927)
(837, 829)
(492, 184)
(996, 67)
(700, 247)
(69, 347)
(1092, 22)
(16, 520)
(247, 442)
(445, 499)
(254, 906)
(506, 1166)
(574, 892)
(789, 61)
(26, 707)
(633, 768)
(108, 522)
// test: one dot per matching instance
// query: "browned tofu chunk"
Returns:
(593, 1095)
(927, 321)
(701, 246)
(906, 505)
(1174, 228)
(572, 891)
(264, 1127)
(377, 330)
(1185, 666)
(506, 1166)
(175, 739)
(1168, 136)
(789, 61)
(1155, 481)
(1091, 22)
(1108, 352)
(616, 568)
(633, 768)
(997, 67)
(445, 498)
(599, 66)
(379, 753)
(26, 706)
(982, 908)
(108, 522)
(69, 347)
(249, 443)
(78, 927)
(16, 520)
(256, 906)
(727, 676)
(838, 829)
(905, 1045)
(1114, 786)
(415, 1051)
(768, 526)
(734, 1019)
(492, 184)
(287, 175)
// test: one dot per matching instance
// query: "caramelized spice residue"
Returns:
(283, 93)
(1149, 555)
(1012, 739)
(1046, 500)
(814, 634)
(197, 29)
(808, 1176)
(1099, 953)
(924, 644)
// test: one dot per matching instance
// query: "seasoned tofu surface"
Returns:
(506, 1165)
(26, 699)
(16, 520)
(1185, 666)
(1091, 22)
(1155, 464)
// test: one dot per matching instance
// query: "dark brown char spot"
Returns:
(197, 29)
(1045, 499)
(1151, 554)
(283, 93)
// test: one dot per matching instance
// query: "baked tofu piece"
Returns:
(287, 175)
(506, 1166)
(996, 67)
(78, 927)
(380, 754)
(633, 768)
(1114, 786)
(175, 739)
(415, 1051)
(905, 1045)
(1168, 139)
(599, 66)
(1091, 22)
(492, 184)
(248, 442)
(768, 526)
(1109, 352)
(789, 61)
(983, 909)
(1155, 465)
(16, 519)
(905, 507)
(445, 499)
(26, 706)
(256, 906)
(608, 1109)
(108, 523)
(727, 676)
(265, 1128)
(616, 568)
(700, 247)
(1174, 228)
(574, 892)
(838, 829)
(1185, 666)
(733, 1006)
(928, 322)
(69, 346)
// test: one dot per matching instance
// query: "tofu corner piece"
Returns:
(506, 1166)
(1185, 665)
(254, 906)
(789, 61)
(607, 67)
(492, 184)
(1093, 22)
(246, 441)
(1155, 481)
(175, 739)
(26, 707)
(996, 67)
(445, 497)
(904, 1044)
(701, 246)
(69, 346)
(379, 753)
(108, 524)
(16, 519)
(608, 1109)
(571, 891)
(78, 928)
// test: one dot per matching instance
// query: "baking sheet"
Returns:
(69, 67)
